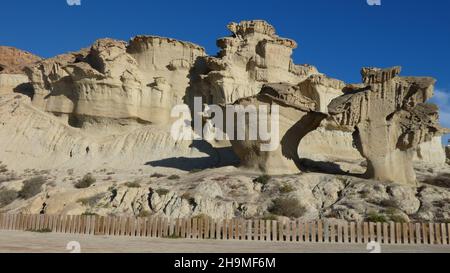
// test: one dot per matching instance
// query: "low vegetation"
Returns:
(162, 191)
(32, 187)
(44, 230)
(375, 217)
(157, 175)
(88, 213)
(286, 188)
(134, 184)
(7, 197)
(174, 177)
(3, 168)
(440, 180)
(289, 207)
(87, 181)
(91, 201)
(389, 215)
(144, 214)
(263, 179)
(269, 217)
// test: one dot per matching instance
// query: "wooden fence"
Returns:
(234, 229)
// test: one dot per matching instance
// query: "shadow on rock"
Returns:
(217, 157)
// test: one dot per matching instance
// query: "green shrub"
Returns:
(376, 217)
(157, 175)
(195, 170)
(263, 179)
(44, 230)
(144, 214)
(134, 184)
(397, 218)
(162, 191)
(388, 203)
(286, 188)
(88, 213)
(91, 201)
(3, 168)
(289, 207)
(174, 177)
(269, 217)
(7, 197)
(172, 236)
(85, 182)
(31, 187)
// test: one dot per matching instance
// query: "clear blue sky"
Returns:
(337, 36)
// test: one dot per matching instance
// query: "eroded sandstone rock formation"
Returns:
(298, 115)
(253, 56)
(390, 118)
(140, 81)
(13, 60)
(115, 98)
(12, 76)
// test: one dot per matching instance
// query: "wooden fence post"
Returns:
(431, 240)
(320, 231)
(437, 228)
(405, 233)
(444, 234)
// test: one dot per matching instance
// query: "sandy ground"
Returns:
(57, 243)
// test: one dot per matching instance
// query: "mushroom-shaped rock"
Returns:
(296, 118)
(390, 118)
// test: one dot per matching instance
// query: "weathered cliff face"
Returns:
(252, 56)
(431, 152)
(167, 67)
(391, 118)
(13, 60)
(12, 76)
(141, 81)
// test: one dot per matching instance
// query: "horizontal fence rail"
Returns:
(233, 229)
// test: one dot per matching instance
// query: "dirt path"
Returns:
(53, 242)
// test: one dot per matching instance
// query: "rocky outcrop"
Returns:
(431, 152)
(232, 193)
(297, 116)
(139, 81)
(167, 66)
(32, 138)
(390, 118)
(251, 57)
(13, 60)
(12, 76)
